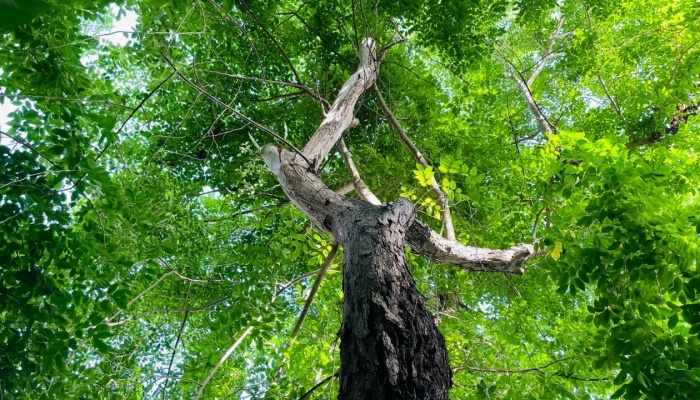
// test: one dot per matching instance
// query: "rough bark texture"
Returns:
(390, 347)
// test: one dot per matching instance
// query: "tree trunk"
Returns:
(390, 346)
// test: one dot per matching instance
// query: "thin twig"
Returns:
(512, 371)
(143, 101)
(309, 300)
(177, 341)
(316, 386)
(274, 40)
(187, 310)
(607, 93)
(233, 110)
(244, 33)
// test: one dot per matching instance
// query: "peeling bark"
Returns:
(340, 117)
(428, 243)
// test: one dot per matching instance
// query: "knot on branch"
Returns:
(271, 154)
(521, 253)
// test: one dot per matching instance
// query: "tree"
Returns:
(146, 243)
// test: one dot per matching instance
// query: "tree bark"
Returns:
(390, 347)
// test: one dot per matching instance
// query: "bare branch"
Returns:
(138, 107)
(177, 342)
(340, 116)
(605, 89)
(418, 157)
(316, 386)
(547, 53)
(309, 91)
(243, 32)
(184, 278)
(274, 40)
(679, 117)
(542, 122)
(428, 243)
(525, 84)
(360, 186)
(345, 189)
(187, 310)
(513, 371)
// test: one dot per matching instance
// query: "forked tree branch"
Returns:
(524, 84)
(321, 204)
(548, 55)
(428, 243)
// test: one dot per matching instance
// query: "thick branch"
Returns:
(322, 205)
(542, 121)
(340, 116)
(672, 127)
(418, 157)
(428, 243)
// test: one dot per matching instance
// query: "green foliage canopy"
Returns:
(141, 235)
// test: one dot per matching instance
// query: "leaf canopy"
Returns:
(141, 236)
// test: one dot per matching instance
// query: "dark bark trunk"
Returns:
(390, 346)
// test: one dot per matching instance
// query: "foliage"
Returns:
(141, 235)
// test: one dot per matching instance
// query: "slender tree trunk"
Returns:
(390, 347)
